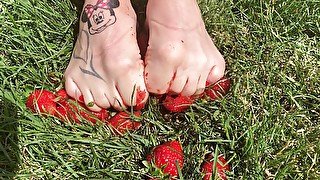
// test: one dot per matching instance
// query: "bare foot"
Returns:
(106, 68)
(181, 56)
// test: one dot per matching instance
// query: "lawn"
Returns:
(268, 126)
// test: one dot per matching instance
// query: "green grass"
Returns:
(268, 125)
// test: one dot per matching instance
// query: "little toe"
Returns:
(158, 79)
(191, 85)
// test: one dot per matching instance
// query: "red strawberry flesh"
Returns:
(42, 101)
(67, 111)
(102, 115)
(221, 166)
(219, 89)
(141, 95)
(122, 122)
(62, 94)
(177, 103)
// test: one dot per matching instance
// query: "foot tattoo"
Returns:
(87, 57)
(100, 16)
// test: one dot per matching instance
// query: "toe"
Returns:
(158, 77)
(178, 83)
(89, 100)
(201, 84)
(100, 98)
(191, 85)
(127, 92)
(72, 88)
(133, 91)
(217, 72)
(115, 99)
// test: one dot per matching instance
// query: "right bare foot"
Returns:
(106, 67)
(181, 57)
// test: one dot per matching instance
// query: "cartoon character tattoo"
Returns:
(100, 16)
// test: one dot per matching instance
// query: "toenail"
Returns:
(90, 104)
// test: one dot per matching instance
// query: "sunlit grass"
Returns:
(268, 125)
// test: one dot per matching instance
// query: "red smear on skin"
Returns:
(146, 76)
(81, 99)
(141, 95)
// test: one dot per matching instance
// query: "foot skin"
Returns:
(106, 68)
(181, 56)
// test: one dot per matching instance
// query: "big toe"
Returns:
(132, 88)
(158, 77)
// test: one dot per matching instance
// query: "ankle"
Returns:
(181, 14)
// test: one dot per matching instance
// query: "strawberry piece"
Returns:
(62, 111)
(221, 166)
(219, 89)
(102, 115)
(177, 103)
(67, 112)
(42, 101)
(62, 94)
(122, 122)
(165, 156)
(69, 109)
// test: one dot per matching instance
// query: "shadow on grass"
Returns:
(79, 5)
(9, 149)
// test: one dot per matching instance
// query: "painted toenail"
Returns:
(90, 104)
